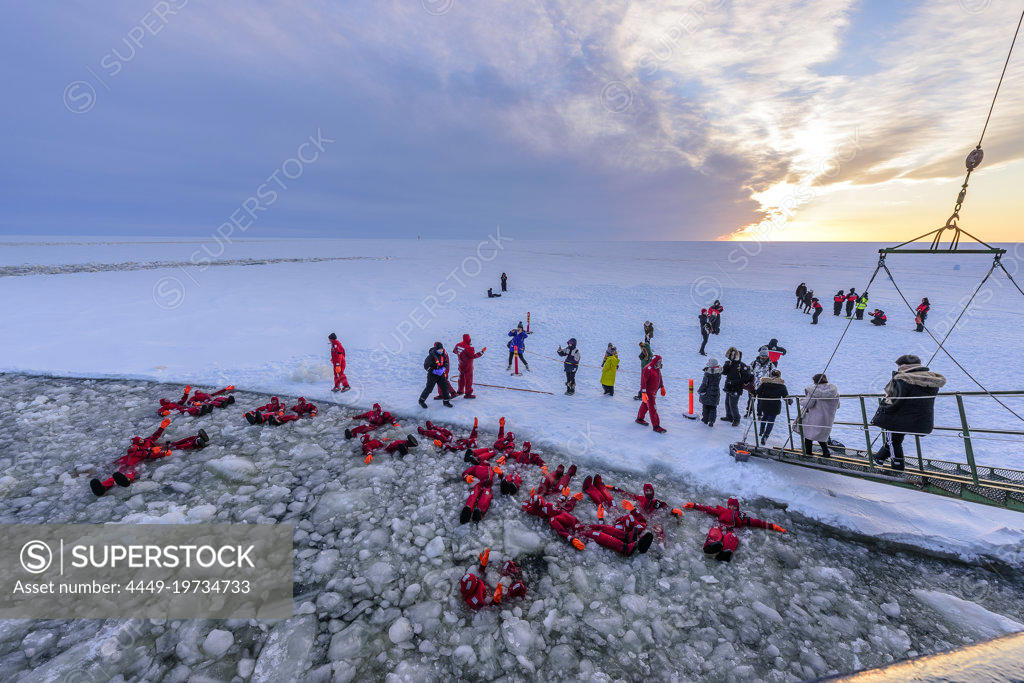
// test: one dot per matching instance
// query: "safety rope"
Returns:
(1000, 84)
(967, 306)
(999, 262)
(946, 351)
(849, 321)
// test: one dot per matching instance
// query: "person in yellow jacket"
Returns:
(608, 370)
(862, 303)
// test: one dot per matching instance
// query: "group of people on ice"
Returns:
(739, 378)
(855, 307)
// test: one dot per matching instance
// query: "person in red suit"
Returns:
(142, 450)
(260, 415)
(338, 363)
(400, 446)
(221, 398)
(479, 501)
(721, 541)
(650, 378)
(183, 405)
(439, 435)
(466, 354)
(302, 408)
(475, 592)
(375, 419)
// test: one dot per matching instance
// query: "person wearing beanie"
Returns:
(608, 369)
(818, 413)
(837, 302)
(770, 393)
(851, 299)
(908, 407)
(816, 306)
(705, 329)
(709, 392)
(571, 364)
(436, 365)
(517, 345)
(878, 317)
(862, 303)
(338, 363)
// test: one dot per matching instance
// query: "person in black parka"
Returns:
(504, 282)
(771, 392)
(801, 289)
(908, 406)
(436, 365)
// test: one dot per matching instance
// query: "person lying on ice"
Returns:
(475, 592)
(182, 405)
(720, 540)
(301, 409)
(141, 450)
(647, 502)
(435, 433)
(504, 444)
(260, 415)
(466, 354)
(338, 364)
(482, 478)
(400, 446)
(460, 444)
(555, 481)
(375, 419)
(627, 535)
(527, 456)
(221, 398)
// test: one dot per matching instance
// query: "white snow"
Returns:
(264, 327)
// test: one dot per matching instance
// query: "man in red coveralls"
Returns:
(466, 353)
(141, 450)
(721, 541)
(338, 362)
(652, 384)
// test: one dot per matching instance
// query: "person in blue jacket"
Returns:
(516, 345)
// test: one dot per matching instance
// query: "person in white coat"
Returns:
(818, 413)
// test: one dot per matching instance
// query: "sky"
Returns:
(835, 120)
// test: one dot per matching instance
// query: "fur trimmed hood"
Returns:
(919, 375)
(773, 380)
(822, 391)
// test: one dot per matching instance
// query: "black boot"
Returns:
(448, 404)
(122, 480)
(97, 487)
(411, 440)
(423, 404)
(204, 438)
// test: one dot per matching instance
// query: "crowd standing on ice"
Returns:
(855, 306)
(638, 518)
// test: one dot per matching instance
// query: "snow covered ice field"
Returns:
(264, 327)
(378, 552)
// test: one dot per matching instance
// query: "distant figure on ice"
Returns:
(716, 319)
(816, 306)
(770, 393)
(436, 369)
(818, 413)
(862, 303)
(608, 369)
(651, 379)
(808, 300)
(878, 317)
(491, 294)
(837, 302)
(571, 364)
(801, 290)
(775, 352)
(338, 363)
(851, 299)
(922, 313)
(517, 345)
(737, 375)
(467, 354)
(504, 282)
(908, 407)
(709, 392)
(645, 357)
(705, 329)
(648, 330)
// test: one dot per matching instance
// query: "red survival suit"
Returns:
(401, 446)
(650, 380)
(338, 363)
(260, 415)
(721, 541)
(141, 450)
(466, 353)
(375, 419)
(475, 592)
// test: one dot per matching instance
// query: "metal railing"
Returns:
(992, 484)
